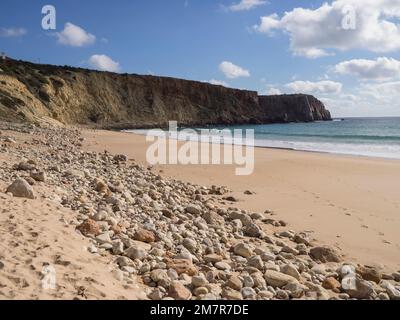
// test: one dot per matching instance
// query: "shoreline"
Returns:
(329, 202)
(269, 147)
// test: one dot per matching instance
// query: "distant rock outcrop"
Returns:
(78, 96)
(293, 108)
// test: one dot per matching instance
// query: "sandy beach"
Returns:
(351, 203)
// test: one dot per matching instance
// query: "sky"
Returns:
(345, 52)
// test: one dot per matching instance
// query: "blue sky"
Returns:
(271, 46)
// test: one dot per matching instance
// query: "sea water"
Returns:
(372, 137)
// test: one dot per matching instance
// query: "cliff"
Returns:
(293, 108)
(78, 96)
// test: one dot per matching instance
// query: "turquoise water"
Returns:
(376, 137)
(372, 137)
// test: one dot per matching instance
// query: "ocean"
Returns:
(371, 137)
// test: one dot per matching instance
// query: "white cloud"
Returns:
(380, 69)
(75, 36)
(246, 5)
(324, 87)
(319, 32)
(104, 63)
(368, 99)
(273, 91)
(218, 82)
(233, 71)
(384, 92)
(12, 32)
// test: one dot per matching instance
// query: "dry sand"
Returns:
(351, 203)
(37, 233)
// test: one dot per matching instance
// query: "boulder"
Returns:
(21, 188)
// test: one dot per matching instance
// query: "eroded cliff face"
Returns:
(293, 108)
(77, 96)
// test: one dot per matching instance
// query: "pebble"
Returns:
(178, 291)
(242, 249)
(235, 283)
(278, 279)
(136, 252)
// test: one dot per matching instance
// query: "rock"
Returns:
(248, 293)
(25, 166)
(244, 218)
(331, 283)
(103, 238)
(318, 269)
(288, 249)
(201, 291)
(120, 158)
(199, 281)
(135, 252)
(346, 270)
(178, 291)
(267, 256)
(129, 269)
(213, 258)
(248, 281)
(234, 282)
(193, 209)
(277, 279)
(302, 238)
(243, 250)
(160, 277)
(291, 270)
(230, 294)
(266, 294)
(296, 290)
(325, 254)
(213, 218)
(38, 176)
(383, 296)
(396, 276)
(101, 186)
(253, 230)
(30, 180)
(369, 274)
(69, 173)
(282, 294)
(259, 281)
(100, 216)
(144, 236)
(182, 266)
(117, 247)
(221, 265)
(391, 290)
(10, 140)
(21, 189)
(156, 294)
(256, 262)
(230, 199)
(89, 227)
(356, 287)
(190, 244)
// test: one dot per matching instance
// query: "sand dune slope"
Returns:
(35, 238)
